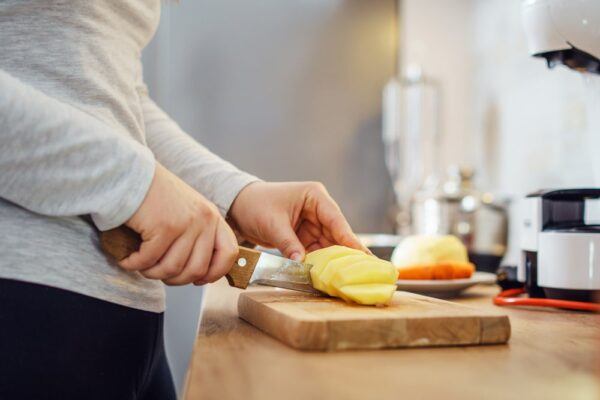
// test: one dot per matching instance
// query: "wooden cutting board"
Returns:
(310, 322)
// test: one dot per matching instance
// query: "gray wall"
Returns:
(287, 90)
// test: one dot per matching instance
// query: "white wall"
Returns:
(435, 35)
(523, 126)
(541, 121)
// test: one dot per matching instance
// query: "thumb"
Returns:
(288, 243)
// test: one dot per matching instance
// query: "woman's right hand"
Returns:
(184, 238)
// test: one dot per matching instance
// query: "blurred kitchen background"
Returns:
(293, 91)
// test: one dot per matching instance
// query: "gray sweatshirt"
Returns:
(79, 136)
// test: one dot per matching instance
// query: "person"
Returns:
(84, 149)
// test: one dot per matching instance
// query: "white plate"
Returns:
(444, 288)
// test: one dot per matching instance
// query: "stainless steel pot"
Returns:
(456, 207)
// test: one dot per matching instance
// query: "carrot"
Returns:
(416, 272)
(462, 270)
(441, 270)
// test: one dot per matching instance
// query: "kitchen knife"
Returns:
(251, 266)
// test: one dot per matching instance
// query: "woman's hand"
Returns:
(294, 217)
(184, 238)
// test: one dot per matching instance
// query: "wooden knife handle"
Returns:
(240, 273)
(120, 242)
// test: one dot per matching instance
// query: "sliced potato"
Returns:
(369, 270)
(335, 265)
(369, 294)
(352, 275)
(320, 258)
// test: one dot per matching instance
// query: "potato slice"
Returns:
(336, 265)
(369, 294)
(364, 271)
(320, 258)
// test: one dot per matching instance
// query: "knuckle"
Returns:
(170, 227)
(188, 218)
(174, 282)
(286, 244)
(136, 262)
(127, 265)
(345, 237)
(317, 186)
(205, 212)
(214, 211)
(147, 260)
(212, 276)
(230, 255)
(152, 274)
(197, 275)
(199, 268)
(232, 251)
(170, 269)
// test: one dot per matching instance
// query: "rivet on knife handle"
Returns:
(241, 272)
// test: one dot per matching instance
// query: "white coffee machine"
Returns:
(561, 249)
(564, 32)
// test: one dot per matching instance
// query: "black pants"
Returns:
(55, 344)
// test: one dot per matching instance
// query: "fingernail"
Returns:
(296, 256)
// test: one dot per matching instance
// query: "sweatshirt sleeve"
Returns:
(57, 160)
(216, 179)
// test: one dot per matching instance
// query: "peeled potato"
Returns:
(432, 257)
(352, 275)
(429, 249)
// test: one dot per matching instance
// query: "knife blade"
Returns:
(251, 266)
(263, 268)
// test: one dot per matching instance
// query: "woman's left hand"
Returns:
(294, 217)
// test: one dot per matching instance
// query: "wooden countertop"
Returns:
(552, 354)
